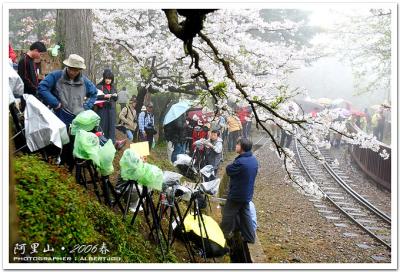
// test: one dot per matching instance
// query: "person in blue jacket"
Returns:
(237, 214)
(68, 92)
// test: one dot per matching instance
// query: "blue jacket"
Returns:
(47, 90)
(242, 173)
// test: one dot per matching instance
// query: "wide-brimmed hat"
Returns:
(143, 108)
(133, 99)
(75, 61)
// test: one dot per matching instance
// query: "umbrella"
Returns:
(342, 112)
(324, 101)
(357, 113)
(337, 101)
(175, 111)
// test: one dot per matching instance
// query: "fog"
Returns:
(328, 77)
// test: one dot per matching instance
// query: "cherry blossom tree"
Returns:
(213, 54)
(363, 39)
(30, 25)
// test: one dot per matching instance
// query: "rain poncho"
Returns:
(215, 243)
(16, 84)
(86, 120)
(87, 146)
(106, 157)
(132, 168)
(42, 126)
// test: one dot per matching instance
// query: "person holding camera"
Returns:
(146, 124)
(214, 150)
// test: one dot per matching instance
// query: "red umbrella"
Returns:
(357, 113)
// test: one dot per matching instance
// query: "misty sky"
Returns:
(329, 77)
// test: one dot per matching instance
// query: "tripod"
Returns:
(197, 213)
(167, 202)
(81, 169)
(145, 202)
(196, 161)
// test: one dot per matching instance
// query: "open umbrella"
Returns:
(357, 113)
(324, 101)
(175, 111)
(342, 112)
(337, 101)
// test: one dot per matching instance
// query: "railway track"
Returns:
(368, 218)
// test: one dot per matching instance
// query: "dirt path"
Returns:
(290, 227)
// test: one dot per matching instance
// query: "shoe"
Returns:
(120, 144)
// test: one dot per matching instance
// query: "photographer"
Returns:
(146, 125)
(237, 215)
(214, 150)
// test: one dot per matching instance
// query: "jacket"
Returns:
(27, 72)
(48, 92)
(214, 153)
(128, 118)
(146, 121)
(242, 173)
(234, 123)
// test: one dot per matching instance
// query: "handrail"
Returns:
(371, 162)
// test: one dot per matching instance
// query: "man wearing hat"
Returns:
(68, 91)
(146, 124)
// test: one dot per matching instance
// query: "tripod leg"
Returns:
(204, 226)
(180, 226)
(128, 201)
(155, 220)
(84, 177)
(197, 213)
(140, 204)
(93, 176)
(106, 190)
(161, 210)
(78, 173)
(116, 197)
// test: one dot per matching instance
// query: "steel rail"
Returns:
(337, 206)
(357, 196)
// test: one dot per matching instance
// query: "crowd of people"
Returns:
(68, 92)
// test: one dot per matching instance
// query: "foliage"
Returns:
(53, 209)
(30, 25)
(363, 38)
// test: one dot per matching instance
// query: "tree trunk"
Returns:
(75, 36)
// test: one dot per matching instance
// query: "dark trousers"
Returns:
(149, 138)
(237, 216)
(178, 149)
(233, 136)
(378, 132)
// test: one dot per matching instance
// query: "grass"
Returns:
(53, 209)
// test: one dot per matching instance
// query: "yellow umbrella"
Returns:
(324, 101)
